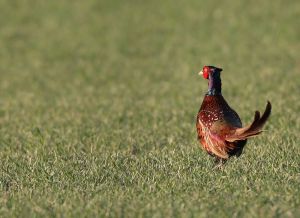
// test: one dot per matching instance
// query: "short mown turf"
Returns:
(98, 101)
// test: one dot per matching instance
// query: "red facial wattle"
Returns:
(205, 72)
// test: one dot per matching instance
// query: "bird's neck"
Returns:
(214, 84)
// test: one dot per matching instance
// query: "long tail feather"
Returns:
(255, 128)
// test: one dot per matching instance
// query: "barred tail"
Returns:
(255, 128)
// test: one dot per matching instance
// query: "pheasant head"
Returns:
(212, 74)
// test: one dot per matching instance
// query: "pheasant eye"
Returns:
(206, 71)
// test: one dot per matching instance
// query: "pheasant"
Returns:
(219, 127)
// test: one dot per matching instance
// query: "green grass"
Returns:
(98, 102)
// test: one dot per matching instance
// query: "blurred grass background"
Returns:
(98, 102)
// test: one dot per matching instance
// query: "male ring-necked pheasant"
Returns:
(219, 127)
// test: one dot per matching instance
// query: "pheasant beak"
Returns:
(201, 72)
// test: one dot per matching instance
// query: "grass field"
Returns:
(98, 102)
